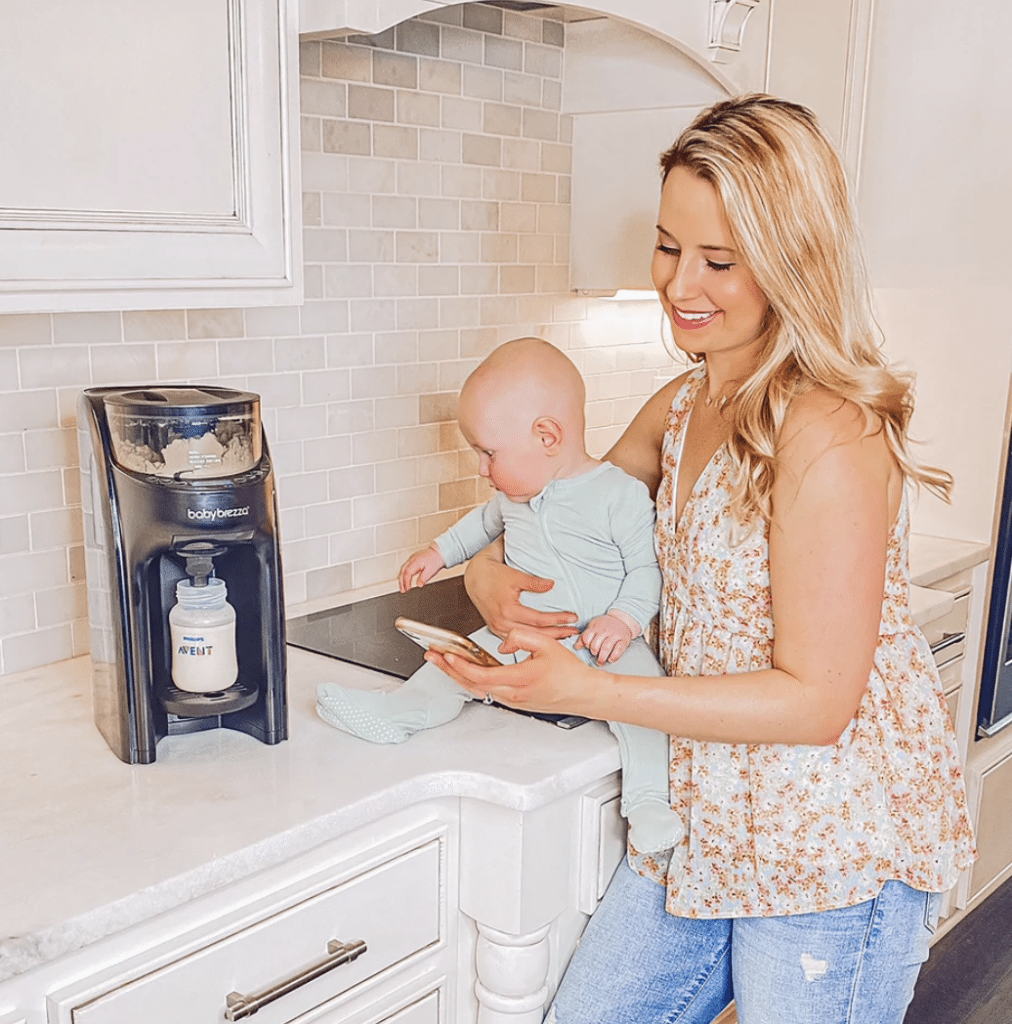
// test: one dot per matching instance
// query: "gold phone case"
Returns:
(445, 641)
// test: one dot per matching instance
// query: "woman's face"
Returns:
(710, 296)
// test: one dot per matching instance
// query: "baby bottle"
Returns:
(202, 630)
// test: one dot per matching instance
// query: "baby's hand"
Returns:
(606, 637)
(420, 568)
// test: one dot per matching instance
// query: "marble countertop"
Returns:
(934, 558)
(92, 846)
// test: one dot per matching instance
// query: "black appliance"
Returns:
(994, 710)
(177, 485)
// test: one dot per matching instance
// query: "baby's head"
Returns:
(522, 412)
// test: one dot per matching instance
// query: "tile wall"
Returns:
(436, 176)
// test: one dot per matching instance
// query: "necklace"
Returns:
(721, 402)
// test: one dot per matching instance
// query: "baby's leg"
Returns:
(424, 700)
(653, 825)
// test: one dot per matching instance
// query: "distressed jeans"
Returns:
(636, 964)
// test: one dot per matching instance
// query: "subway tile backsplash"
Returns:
(436, 181)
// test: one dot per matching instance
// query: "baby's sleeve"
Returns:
(469, 535)
(632, 516)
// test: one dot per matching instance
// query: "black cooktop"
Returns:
(364, 633)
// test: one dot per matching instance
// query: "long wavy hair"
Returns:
(784, 193)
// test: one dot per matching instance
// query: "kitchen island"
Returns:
(97, 848)
(486, 843)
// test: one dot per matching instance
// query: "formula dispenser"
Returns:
(184, 565)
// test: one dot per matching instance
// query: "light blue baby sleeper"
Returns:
(593, 535)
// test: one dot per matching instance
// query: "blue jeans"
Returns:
(636, 964)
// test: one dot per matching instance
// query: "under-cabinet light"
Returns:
(632, 295)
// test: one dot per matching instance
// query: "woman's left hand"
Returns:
(552, 679)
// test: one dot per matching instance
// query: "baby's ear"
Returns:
(550, 433)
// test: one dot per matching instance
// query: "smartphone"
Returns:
(445, 641)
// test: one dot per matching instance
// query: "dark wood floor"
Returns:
(968, 977)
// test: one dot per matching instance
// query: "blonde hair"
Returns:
(784, 193)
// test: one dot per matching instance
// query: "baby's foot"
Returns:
(385, 717)
(653, 825)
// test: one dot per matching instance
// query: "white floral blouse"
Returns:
(781, 829)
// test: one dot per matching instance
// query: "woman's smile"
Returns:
(692, 321)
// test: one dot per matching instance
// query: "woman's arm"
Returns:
(836, 491)
(495, 588)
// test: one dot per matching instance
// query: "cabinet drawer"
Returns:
(425, 1010)
(950, 624)
(951, 675)
(394, 908)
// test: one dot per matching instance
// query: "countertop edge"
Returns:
(934, 558)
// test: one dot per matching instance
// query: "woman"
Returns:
(812, 758)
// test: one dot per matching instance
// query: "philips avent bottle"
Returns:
(202, 630)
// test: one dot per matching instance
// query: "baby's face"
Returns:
(510, 454)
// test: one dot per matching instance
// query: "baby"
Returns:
(564, 516)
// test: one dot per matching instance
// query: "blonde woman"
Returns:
(811, 756)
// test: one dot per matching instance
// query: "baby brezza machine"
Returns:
(183, 565)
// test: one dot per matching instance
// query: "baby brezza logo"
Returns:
(217, 513)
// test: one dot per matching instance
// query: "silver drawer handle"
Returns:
(238, 1006)
(949, 640)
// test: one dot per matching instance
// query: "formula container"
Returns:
(185, 432)
(202, 630)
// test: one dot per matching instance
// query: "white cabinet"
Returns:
(284, 964)
(271, 944)
(818, 56)
(151, 154)
(457, 909)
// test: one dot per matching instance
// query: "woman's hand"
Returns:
(495, 589)
(552, 679)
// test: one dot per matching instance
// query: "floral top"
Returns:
(786, 829)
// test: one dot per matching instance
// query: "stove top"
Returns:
(364, 634)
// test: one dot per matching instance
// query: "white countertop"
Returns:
(92, 846)
(934, 558)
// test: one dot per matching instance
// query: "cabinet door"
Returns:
(149, 154)
(994, 811)
(819, 56)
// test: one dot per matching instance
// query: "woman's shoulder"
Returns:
(819, 416)
(823, 427)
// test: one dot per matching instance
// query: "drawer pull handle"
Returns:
(949, 640)
(238, 1006)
